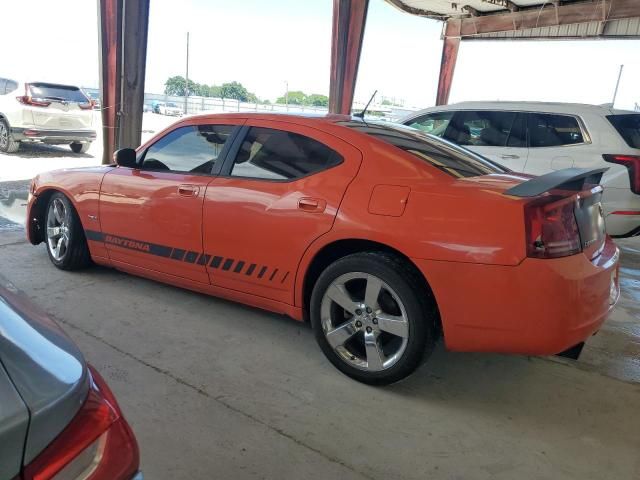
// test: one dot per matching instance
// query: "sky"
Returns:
(268, 44)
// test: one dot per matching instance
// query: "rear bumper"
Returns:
(52, 136)
(540, 307)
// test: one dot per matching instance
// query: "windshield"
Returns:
(628, 126)
(63, 93)
(444, 155)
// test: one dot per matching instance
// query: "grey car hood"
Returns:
(14, 420)
(45, 366)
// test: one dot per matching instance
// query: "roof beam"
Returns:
(546, 16)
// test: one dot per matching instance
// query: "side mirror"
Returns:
(125, 157)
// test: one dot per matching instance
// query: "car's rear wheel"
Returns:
(371, 318)
(66, 242)
(7, 143)
(77, 147)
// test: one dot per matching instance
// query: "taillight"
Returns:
(34, 102)
(551, 227)
(632, 162)
(98, 444)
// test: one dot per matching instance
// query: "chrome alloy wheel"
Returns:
(4, 136)
(364, 321)
(57, 229)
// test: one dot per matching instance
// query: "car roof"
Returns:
(308, 118)
(550, 107)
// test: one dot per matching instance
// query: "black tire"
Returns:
(80, 147)
(420, 312)
(76, 255)
(7, 143)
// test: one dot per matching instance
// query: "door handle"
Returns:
(188, 190)
(313, 205)
(509, 156)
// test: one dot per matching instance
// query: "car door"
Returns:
(554, 142)
(498, 135)
(151, 216)
(280, 189)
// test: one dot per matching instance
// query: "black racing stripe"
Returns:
(285, 277)
(262, 272)
(188, 256)
(227, 264)
(204, 259)
(178, 253)
(215, 263)
(191, 257)
(93, 235)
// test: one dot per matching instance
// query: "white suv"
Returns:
(537, 138)
(44, 113)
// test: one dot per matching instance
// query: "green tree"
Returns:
(176, 86)
(293, 98)
(317, 100)
(234, 90)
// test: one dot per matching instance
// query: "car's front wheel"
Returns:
(7, 143)
(77, 147)
(66, 242)
(371, 318)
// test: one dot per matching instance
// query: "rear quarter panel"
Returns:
(445, 219)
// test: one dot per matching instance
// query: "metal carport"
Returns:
(124, 27)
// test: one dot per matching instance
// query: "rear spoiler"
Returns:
(566, 179)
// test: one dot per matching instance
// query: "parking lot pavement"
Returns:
(214, 389)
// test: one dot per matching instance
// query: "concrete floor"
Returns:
(214, 389)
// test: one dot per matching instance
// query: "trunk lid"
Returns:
(68, 108)
(579, 184)
(44, 365)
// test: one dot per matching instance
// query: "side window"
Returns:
(487, 129)
(193, 149)
(432, 123)
(547, 130)
(3, 82)
(11, 86)
(279, 155)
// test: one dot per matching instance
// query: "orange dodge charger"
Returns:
(383, 237)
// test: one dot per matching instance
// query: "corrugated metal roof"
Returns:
(628, 27)
(512, 19)
(449, 8)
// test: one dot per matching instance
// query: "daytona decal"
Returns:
(181, 255)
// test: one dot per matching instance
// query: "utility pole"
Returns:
(186, 86)
(286, 94)
(615, 93)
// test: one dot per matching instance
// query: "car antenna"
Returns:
(361, 114)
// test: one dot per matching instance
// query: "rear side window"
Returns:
(628, 126)
(548, 130)
(487, 129)
(192, 149)
(279, 155)
(432, 123)
(3, 82)
(64, 93)
(445, 156)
